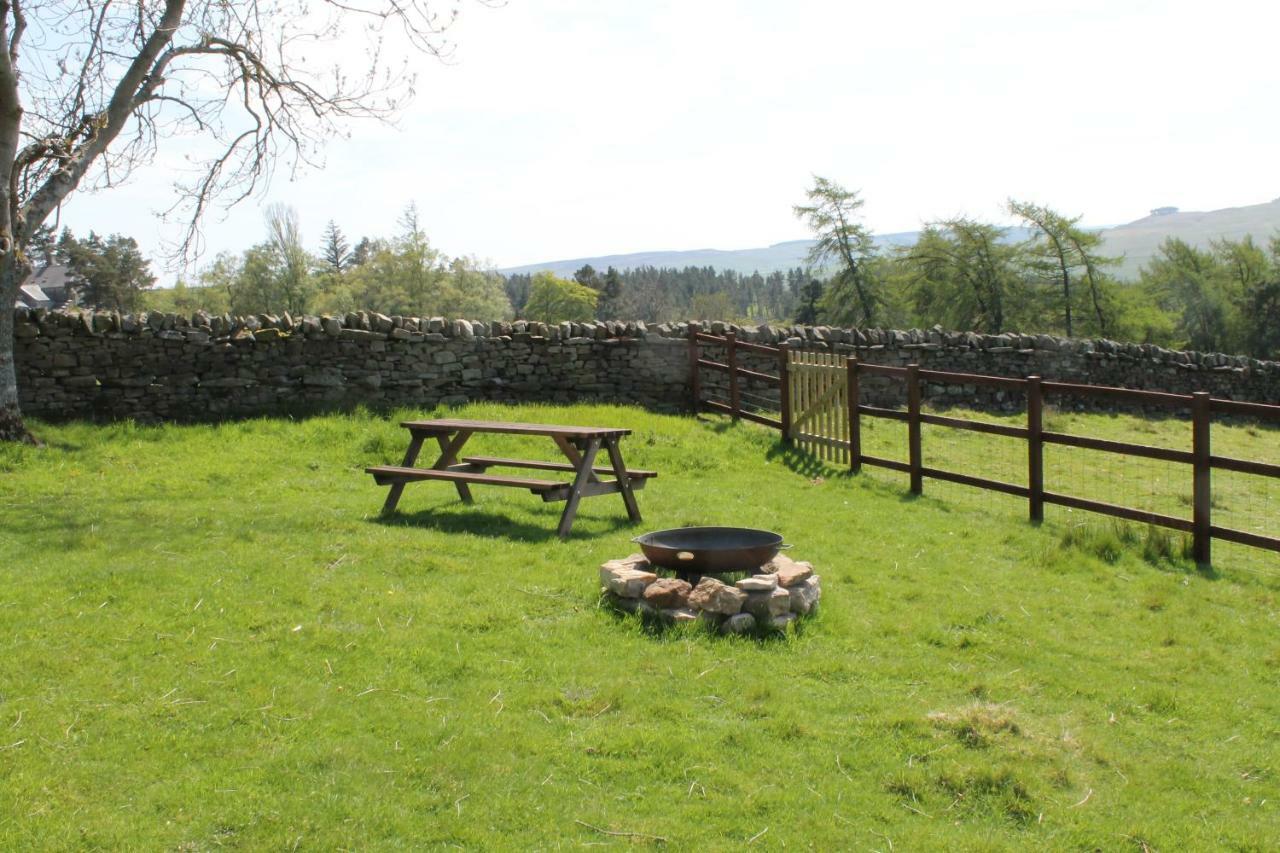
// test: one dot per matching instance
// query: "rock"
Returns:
(679, 615)
(742, 623)
(766, 604)
(463, 329)
(624, 581)
(789, 571)
(633, 605)
(780, 623)
(668, 593)
(631, 561)
(805, 595)
(758, 583)
(710, 594)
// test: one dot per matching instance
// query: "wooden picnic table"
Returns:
(580, 445)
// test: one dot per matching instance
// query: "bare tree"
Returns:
(89, 90)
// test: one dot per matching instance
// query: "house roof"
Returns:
(53, 277)
(33, 296)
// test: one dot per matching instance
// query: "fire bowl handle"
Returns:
(684, 555)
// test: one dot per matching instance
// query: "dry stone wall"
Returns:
(169, 367)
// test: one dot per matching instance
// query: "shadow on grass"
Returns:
(800, 461)
(496, 525)
(653, 625)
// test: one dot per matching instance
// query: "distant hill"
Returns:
(1138, 241)
(779, 256)
(1135, 242)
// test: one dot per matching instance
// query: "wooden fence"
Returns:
(820, 398)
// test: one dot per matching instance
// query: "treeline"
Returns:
(658, 294)
(402, 274)
(961, 273)
(966, 274)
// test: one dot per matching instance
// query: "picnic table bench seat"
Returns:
(498, 462)
(385, 475)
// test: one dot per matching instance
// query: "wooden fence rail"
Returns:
(822, 410)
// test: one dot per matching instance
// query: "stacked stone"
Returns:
(782, 590)
(163, 366)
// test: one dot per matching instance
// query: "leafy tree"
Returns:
(109, 273)
(588, 277)
(1253, 276)
(517, 286)
(293, 273)
(832, 215)
(43, 248)
(712, 306)
(810, 296)
(961, 273)
(408, 276)
(553, 300)
(1191, 285)
(610, 291)
(274, 275)
(90, 91)
(183, 298)
(221, 277)
(1059, 249)
(1262, 306)
(361, 253)
(475, 291)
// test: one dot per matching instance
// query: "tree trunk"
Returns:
(13, 271)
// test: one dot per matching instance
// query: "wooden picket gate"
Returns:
(819, 404)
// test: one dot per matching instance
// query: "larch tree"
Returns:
(1060, 248)
(842, 241)
(90, 90)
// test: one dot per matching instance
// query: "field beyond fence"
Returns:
(820, 398)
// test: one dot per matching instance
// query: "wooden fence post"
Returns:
(913, 428)
(784, 390)
(1035, 448)
(731, 357)
(1202, 488)
(855, 417)
(695, 387)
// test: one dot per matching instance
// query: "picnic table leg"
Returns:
(624, 482)
(449, 449)
(410, 456)
(585, 475)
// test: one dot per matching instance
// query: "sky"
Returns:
(571, 128)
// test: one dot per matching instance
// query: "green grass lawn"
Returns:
(209, 638)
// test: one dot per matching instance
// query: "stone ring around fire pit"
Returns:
(780, 591)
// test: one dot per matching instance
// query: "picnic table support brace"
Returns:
(449, 449)
(585, 475)
(624, 482)
(410, 456)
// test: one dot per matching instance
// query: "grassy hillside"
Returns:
(209, 638)
(779, 256)
(1135, 242)
(1138, 241)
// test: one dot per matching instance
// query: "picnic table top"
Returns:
(459, 424)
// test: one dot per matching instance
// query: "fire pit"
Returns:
(777, 591)
(691, 552)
